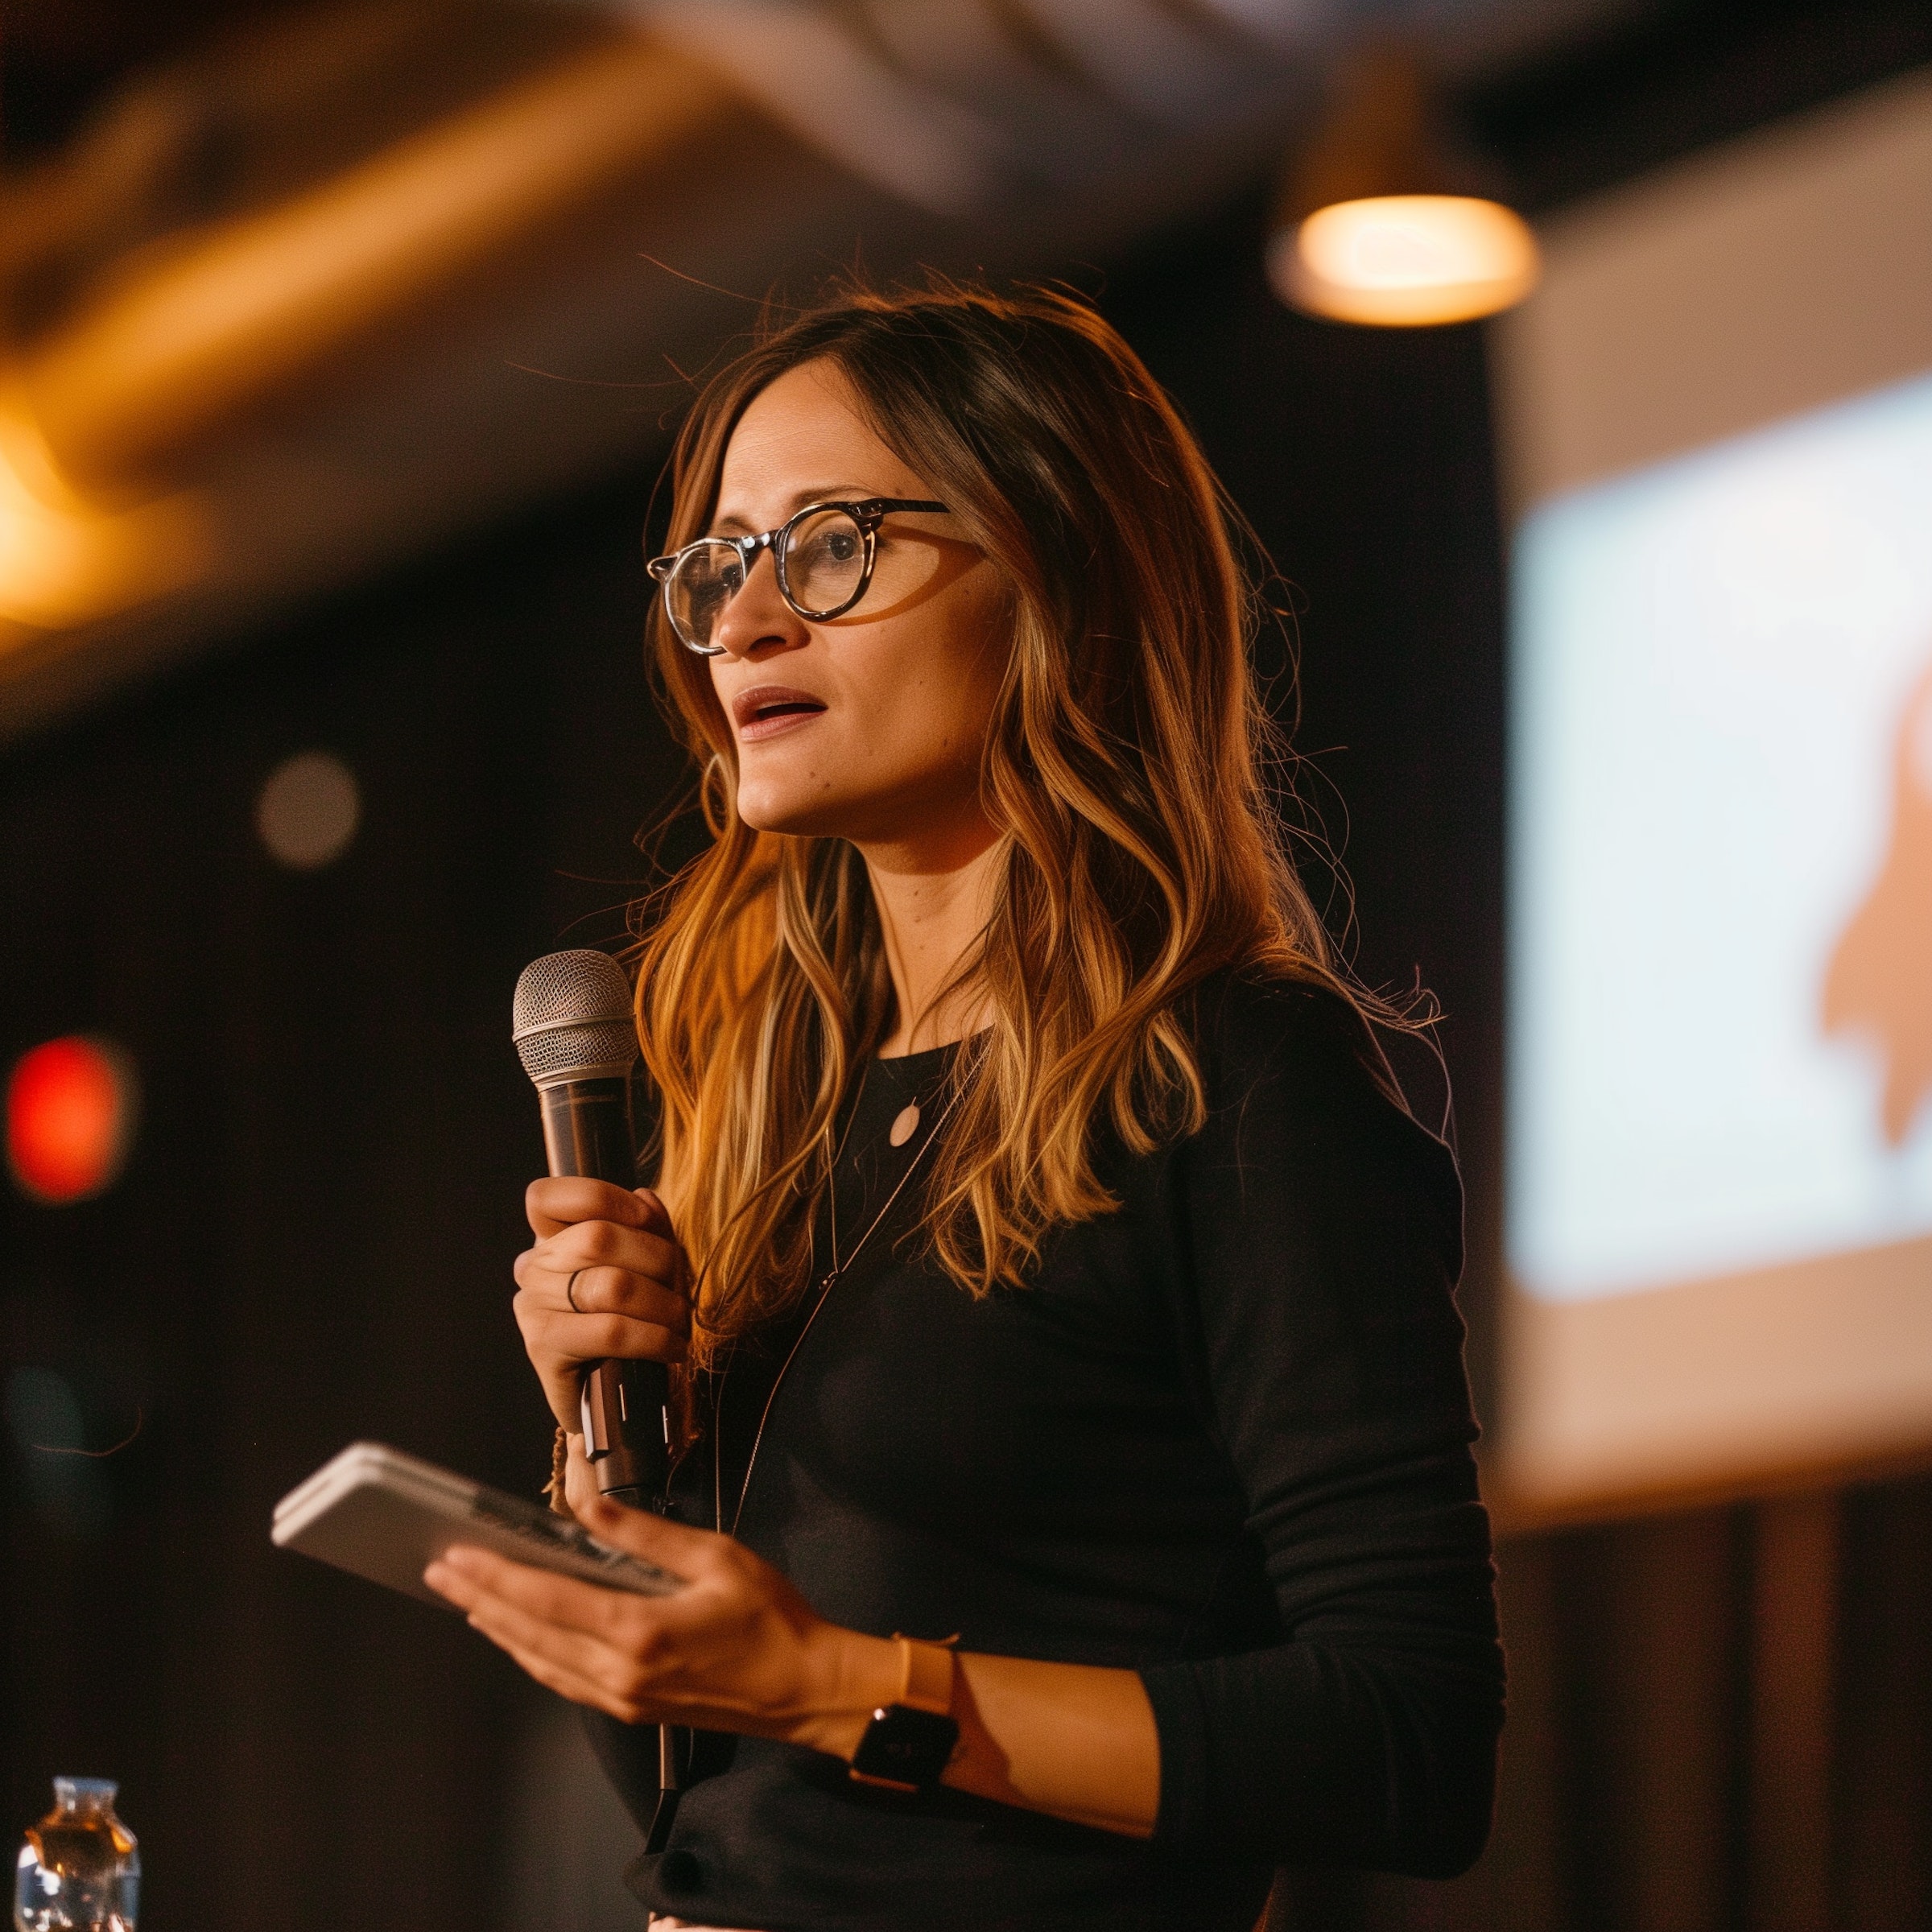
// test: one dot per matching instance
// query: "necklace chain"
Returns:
(826, 1283)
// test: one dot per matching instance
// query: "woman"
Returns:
(1064, 1291)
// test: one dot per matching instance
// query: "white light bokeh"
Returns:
(308, 810)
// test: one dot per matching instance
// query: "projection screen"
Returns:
(1715, 422)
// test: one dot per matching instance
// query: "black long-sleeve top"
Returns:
(1221, 1437)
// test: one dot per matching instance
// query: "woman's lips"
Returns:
(766, 710)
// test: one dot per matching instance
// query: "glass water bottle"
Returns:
(79, 1870)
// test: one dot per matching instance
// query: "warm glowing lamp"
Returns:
(70, 1117)
(1369, 229)
(1405, 261)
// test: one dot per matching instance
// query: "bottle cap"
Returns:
(85, 1793)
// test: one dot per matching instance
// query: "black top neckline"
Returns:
(914, 1066)
(927, 1057)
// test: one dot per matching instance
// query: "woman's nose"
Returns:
(758, 618)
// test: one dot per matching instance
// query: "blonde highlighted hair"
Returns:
(1128, 770)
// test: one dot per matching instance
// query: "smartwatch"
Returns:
(909, 1742)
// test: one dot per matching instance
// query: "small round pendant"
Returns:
(906, 1126)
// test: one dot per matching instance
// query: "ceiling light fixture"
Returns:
(1376, 223)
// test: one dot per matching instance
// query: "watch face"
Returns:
(904, 1747)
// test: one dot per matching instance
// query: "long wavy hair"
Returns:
(1131, 771)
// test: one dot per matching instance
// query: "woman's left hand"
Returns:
(736, 1650)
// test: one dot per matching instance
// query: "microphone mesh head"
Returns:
(572, 1018)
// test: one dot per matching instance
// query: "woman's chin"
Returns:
(785, 812)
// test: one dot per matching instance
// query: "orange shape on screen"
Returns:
(68, 1106)
(1880, 982)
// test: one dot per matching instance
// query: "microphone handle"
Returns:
(626, 1406)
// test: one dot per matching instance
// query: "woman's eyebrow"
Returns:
(818, 493)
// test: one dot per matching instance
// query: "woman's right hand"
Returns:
(630, 1284)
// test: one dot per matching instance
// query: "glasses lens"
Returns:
(705, 578)
(824, 562)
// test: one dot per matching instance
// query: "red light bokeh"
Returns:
(68, 1114)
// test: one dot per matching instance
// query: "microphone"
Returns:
(571, 1024)
(572, 1027)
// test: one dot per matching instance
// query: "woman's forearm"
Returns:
(1075, 1741)
(738, 1649)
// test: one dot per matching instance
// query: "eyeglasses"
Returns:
(824, 555)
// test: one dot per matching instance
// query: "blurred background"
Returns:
(340, 347)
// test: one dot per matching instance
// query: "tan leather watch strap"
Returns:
(926, 1683)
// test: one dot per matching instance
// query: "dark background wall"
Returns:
(312, 1240)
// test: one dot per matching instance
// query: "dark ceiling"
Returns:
(363, 405)
(58, 57)
(1674, 77)
(1626, 90)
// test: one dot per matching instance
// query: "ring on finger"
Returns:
(570, 1290)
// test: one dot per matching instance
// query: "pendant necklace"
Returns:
(904, 1126)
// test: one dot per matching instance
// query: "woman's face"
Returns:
(869, 726)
